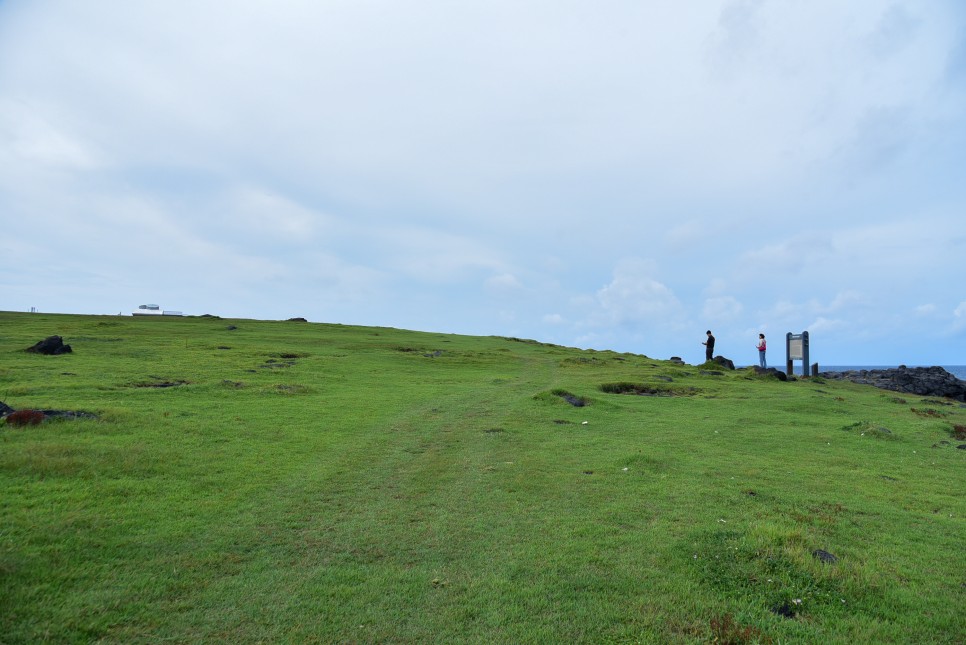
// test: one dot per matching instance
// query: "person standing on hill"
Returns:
(761, 351)
(708, 347)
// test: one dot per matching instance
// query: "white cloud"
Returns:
(790, 256)
(634, 296)
(433, 255)
(262, 213)
(30, 138)
(959, 317)
(503, 283)
(848, 299)
(722, 308)
(822, 324)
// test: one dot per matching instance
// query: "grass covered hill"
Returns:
(253, 481)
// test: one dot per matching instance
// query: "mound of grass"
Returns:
(869, 429)
(642, 389)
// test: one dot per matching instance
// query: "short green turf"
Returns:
(281, 481)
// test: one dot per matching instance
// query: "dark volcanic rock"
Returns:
(676, 360)
(771, 371)
(724, 362)
(575, 401)
(784, 610)
(51, 345)
(68, 414)
(924, 381)
(824, 556)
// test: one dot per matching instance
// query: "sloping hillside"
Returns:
(247, 481)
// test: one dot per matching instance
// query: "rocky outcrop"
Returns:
(925, 381)
(770, 371)
(52, 345)
(724, 362)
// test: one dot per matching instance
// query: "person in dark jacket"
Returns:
(709, 347)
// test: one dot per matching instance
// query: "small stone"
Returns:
(824, 556)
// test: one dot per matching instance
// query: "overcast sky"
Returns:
(613, 174)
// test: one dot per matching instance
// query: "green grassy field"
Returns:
(255, 481)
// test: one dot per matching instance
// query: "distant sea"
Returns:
(959, 371)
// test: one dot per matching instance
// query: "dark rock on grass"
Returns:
(5, 409)
(724, 362)
(50, 346)
(784, 610)
(231, 327)
(676, 360)
(297, 320)
(572, 399)
(961, 446)
(924, 381)
(824, 556)
(771, 371)
(710, 373)
(68, 414)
